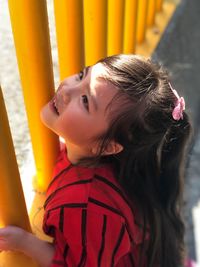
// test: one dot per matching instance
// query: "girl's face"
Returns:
(77, 112)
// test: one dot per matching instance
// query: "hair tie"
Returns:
(177, 112)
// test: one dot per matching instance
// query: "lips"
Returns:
(53, 106)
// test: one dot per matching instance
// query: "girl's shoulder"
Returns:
(107, 197)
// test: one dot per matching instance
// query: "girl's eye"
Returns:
(80, 75)
(85, 102)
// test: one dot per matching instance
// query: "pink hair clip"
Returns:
(177, 112)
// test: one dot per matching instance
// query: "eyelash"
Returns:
(85, 101)
(81, 75)
(84, 97)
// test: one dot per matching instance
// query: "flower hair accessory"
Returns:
(177, 112)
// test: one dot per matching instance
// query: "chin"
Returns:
(45, 116)
(42, 115)
(46, 119)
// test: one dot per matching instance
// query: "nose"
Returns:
(68, 91)
(66, 98)
(64, 94)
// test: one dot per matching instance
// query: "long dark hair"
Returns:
(151, 166)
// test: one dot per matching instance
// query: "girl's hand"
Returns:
(16, 239)
(11, 238)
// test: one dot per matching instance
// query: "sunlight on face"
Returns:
(77, 111)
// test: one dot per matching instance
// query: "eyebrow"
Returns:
(94, 102)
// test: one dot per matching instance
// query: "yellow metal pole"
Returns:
(95, 30)
(141, 20)
(159, 5)
(130, 26)
(151, 12)
(12, 203)
(69, 31)
(115, 26)
(31, 35)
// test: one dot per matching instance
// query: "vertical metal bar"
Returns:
(11, 193)
(159, 5)
(31, 35)
(142, 20)
(115, 26)
(95, 30)
(69, 32)
(12, 203)
(151, 12)
(130, 26)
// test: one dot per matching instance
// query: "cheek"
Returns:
(79, 128)
(46, 116)
(73, 127)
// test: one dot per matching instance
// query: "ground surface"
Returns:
(178, 50)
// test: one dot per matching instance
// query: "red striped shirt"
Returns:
(90, 219)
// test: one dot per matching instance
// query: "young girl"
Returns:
(115, 198)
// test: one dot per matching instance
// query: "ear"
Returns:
(111, 149)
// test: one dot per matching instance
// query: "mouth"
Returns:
(53, 106)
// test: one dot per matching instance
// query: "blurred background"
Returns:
(176, 47)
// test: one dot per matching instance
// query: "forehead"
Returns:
(99, 83)
(99, 71)
(100, 87)
(115, 100)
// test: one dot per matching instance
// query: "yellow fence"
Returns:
(87, 30)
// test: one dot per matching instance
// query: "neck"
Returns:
(75, 153)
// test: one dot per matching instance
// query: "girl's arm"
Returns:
(17, 239)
